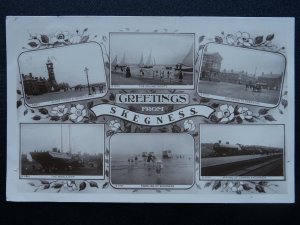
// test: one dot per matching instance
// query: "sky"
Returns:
(139, 143)
(84, 138)
(167, 49)
(246, 59)
(265, 135)
(68, 63)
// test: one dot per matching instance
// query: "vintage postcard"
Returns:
(150, 109)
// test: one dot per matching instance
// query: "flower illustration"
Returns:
(75, 39)
(230, 38)
(244, 39)
(245, 113)
(77, 113)
(60, 37)
(114, 125)
(225, 114)
(189, 125)
(59, 110)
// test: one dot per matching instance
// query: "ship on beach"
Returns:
(57, 159)
(149, 63)
(186, 65)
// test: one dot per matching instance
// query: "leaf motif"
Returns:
(260, 188)
(93, 184)
(270, 37)
(43, 111)
(105, 185)
(107, 151)
(65, 117)
(19, 103)
(217, 185)
(33, 44)
(45, 38)
(197, 159)
(239, 120)
(105, 100)
(238, 192)
(207, 184)
(36, 117)
(218, 39)
(106, 173)
(285, 93)
(258, 40)
(250, 120)
(57, 185)
(44, 182)
(176, 129)
(25, 112)
(201, 38)
(54, 118)
(90, 104)
(111, 97)
(31, 184)
(46, 186)
(204, 100)
(19, 92)
(198, 186)
(163, 129)
(215, 105)
(269, 118)
(263, 183)
(195, 134)
(246, 187)
(263, 111)
(82, 186)
(284, 102)
(84, 39)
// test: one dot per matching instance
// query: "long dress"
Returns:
(128, 74)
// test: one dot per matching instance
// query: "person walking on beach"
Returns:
(180, 76)
(158, 167)
(128, 73)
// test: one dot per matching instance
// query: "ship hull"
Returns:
(51, 160)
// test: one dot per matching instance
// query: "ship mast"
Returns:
(69, 139)
(61, 139)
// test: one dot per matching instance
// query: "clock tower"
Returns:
(52, 81)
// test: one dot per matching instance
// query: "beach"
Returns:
(176, 170)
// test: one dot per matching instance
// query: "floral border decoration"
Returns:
(69, 185)
(239, 187)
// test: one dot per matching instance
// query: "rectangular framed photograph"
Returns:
(152, 160)
(242, 152)
(151, 60)
(62, 74)
(60, 151)
(244, 75)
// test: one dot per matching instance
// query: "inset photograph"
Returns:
(62, 150)
(62, 74)
(242, 152)
(152, 60)
(152, 160)
(241, 75)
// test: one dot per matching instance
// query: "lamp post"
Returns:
(86, 70)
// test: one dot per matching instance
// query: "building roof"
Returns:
(216, 54)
